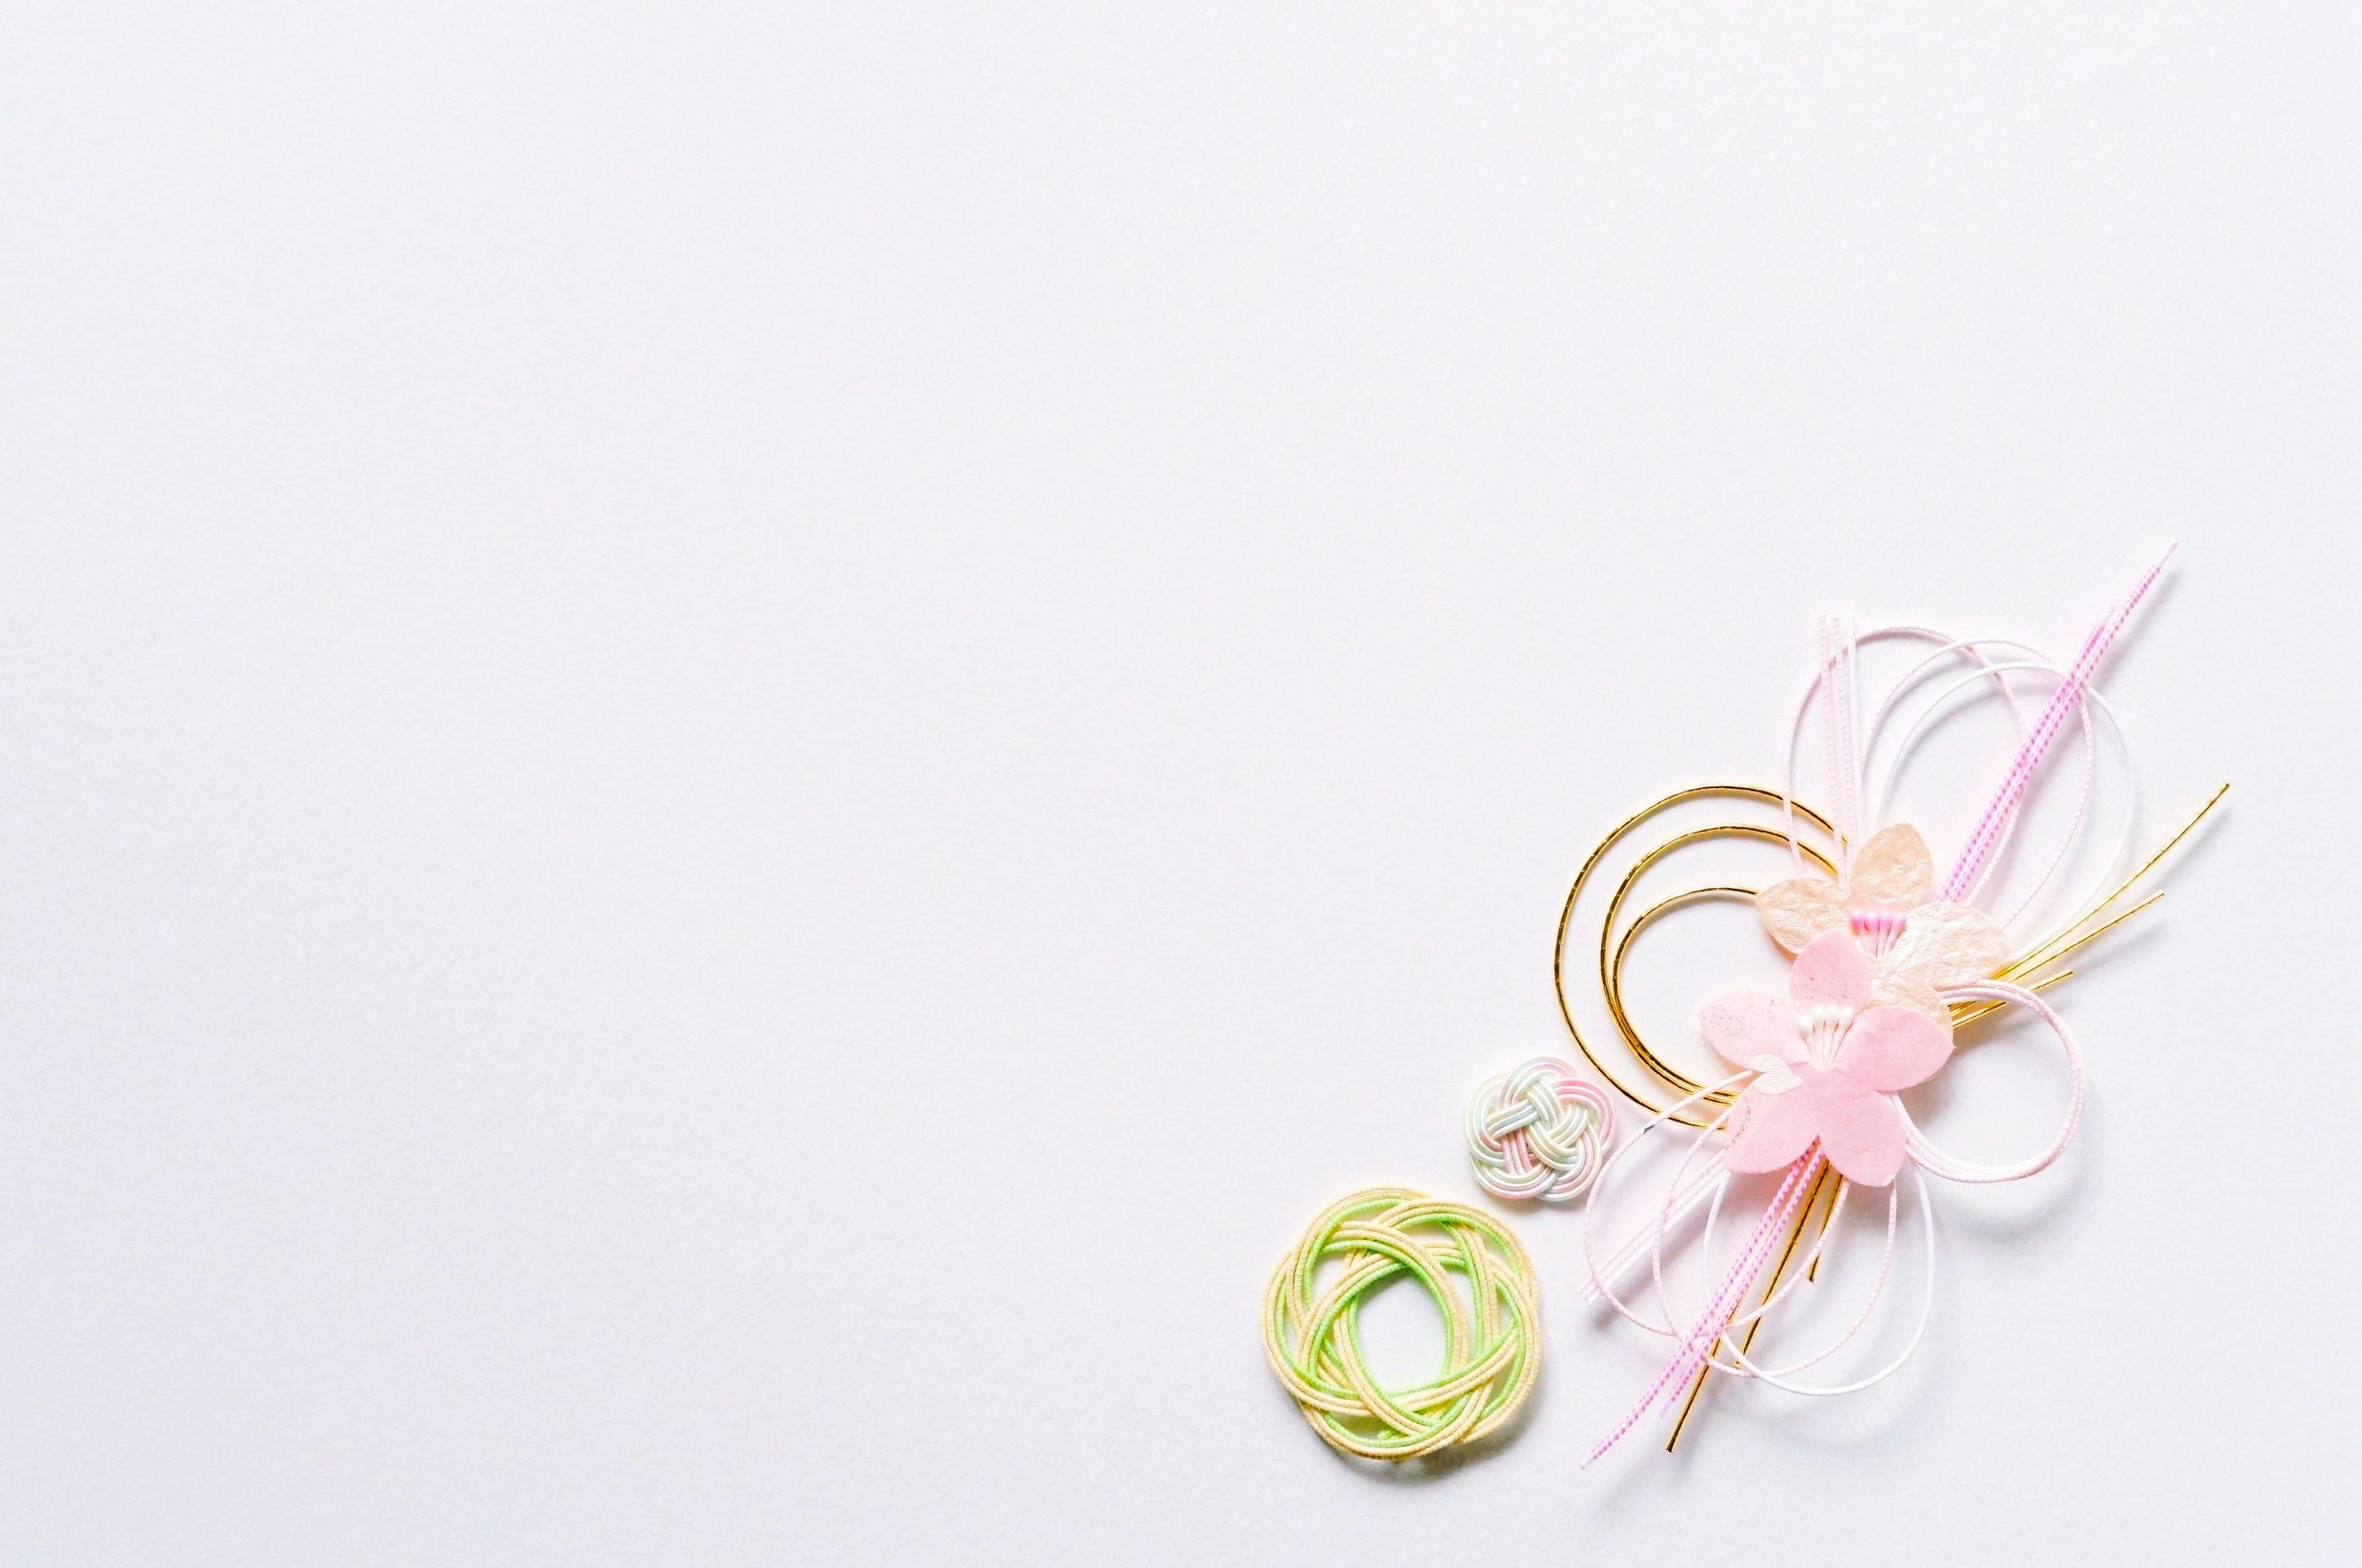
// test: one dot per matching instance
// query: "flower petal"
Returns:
(1948, 944)
(1891, 870)
(1891, 989)
(1831, 969)
(1773, 1129)
(1798, 909)
(1743, 1025)
(1860, 1130)
(1890, 1048)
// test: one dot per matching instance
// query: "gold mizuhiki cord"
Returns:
(1612, 951)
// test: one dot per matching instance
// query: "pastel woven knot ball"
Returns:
(1538, 1131)
(1492, 1351)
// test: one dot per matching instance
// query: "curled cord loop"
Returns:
(1940, 1163)
(1714, 1334)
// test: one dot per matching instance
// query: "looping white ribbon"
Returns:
(1936, 1163)
(1772, 1076)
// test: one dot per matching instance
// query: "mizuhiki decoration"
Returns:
(1886, 963)
(1540, 1131)
(1313, 1333)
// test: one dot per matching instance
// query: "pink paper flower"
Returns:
(1825, 1060)
(1915, 946)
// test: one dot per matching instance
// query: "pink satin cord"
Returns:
(2012, 793)
(1839, 663)
(1698, 1343)
(1976, 650)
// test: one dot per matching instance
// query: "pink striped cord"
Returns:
(2070, 695)
(1712, 1322)
(1837, 724)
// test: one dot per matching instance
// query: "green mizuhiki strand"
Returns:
(1315, 1342)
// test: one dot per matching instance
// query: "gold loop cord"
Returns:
(1611, 974)
(1614, 987)
(1612, 951)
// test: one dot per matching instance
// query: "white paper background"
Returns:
(739, 744)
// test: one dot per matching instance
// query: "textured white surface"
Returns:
(738, 744)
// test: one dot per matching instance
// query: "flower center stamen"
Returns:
(1877, 929)
(1824, 1027)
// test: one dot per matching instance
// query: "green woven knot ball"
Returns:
(1490, 1355)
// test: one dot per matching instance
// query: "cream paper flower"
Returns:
(1914, 947)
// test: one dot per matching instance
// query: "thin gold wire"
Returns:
(1611, 979)
(2052, 953)
(1614, 987)
(2067, 940)
(1821, 1181)
(2030, 962)
(1608, 968)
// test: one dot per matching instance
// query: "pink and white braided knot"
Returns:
(1538, 1131)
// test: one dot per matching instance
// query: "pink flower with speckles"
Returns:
(1825, 1060)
